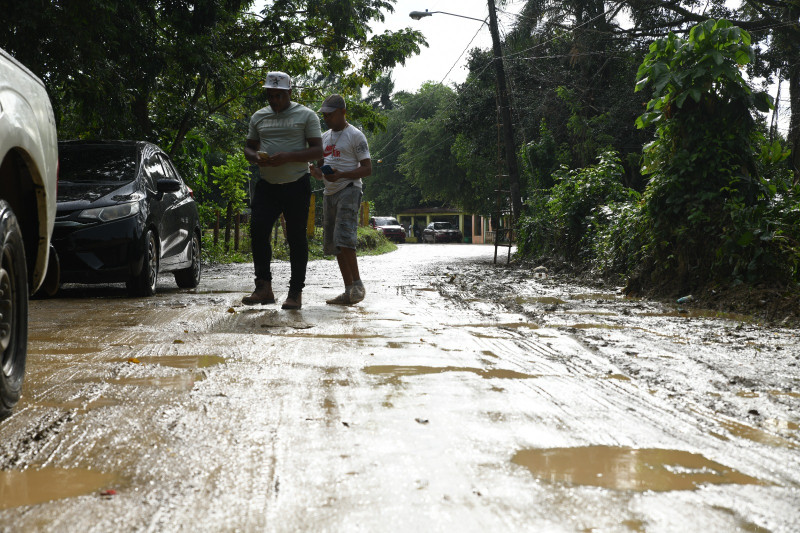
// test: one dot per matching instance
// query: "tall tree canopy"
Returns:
(156, 69)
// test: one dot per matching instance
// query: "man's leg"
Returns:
(344, 238)
(264, 214)
(296, 200)
(348, 265)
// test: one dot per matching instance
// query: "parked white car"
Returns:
(28, 177)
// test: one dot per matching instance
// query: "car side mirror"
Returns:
(167, 185)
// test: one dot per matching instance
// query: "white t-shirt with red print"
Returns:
(343, 150)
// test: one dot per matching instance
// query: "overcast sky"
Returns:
(448, 36)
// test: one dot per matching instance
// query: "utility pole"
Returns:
(505, 116)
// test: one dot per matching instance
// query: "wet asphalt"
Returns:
(459, 396)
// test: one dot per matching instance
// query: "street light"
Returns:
(502, 97)
(416, 15)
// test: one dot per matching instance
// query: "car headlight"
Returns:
(112, 212)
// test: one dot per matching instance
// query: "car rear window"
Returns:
(97, 164)
(442, 225)
(386, 221)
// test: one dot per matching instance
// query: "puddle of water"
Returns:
(782, 393)
(81, 404)
(782, 424)
(184, 361)
(620, 377)
(31, 487)
(183, 382)
(551, 300)
(392, 344)
(591, 313)
(628, 469)
(36, 349)
(699, 313)
(592, 326)
(529, 325)
(756, 435)
(400, 371)
(598, 296)
(747, 394)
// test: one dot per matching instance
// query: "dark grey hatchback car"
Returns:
(124, 215)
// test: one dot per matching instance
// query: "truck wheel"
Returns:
(189, 278)
(145, 283)
(13, 309)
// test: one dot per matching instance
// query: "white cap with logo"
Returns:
(278, 80)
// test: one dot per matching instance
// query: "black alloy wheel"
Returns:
(13, 309)
(145, 283)
(189, 277)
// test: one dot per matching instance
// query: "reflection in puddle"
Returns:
(699, 313)
(628, 469)
(592, 326)
(756, 435)
(540, 300)
(600, 296)
(31, 487)
(184, 361)
(82, 404)
(782, 393)
(183, 382)
(782, 424)
(400, 371)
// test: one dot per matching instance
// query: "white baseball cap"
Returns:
(278, 80)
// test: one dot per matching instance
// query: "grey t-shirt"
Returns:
(286, 131)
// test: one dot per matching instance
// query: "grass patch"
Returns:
(370, 242)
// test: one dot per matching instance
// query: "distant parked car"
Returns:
(441, 232)
(28, 176)
(390, 227)
(124, 215)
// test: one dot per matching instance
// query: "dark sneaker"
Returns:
(357, 293)
(293, 301)
(262, 295)
(342, 299)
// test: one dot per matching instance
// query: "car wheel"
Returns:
(13, 309)
(189, 278)
(145, 283)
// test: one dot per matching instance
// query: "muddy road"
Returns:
(459, 396)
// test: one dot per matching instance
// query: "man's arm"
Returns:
(361, 172)
(312, 153)
(250, 154)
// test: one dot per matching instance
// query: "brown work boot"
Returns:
(262, 295)
(294, 300)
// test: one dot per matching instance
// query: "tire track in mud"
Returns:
(623, 399)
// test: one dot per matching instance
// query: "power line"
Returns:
(442, 81)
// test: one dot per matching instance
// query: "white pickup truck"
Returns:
(28, 177)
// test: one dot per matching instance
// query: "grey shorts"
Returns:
(340, 222)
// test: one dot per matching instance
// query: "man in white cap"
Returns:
(347, 160)
(283, 137)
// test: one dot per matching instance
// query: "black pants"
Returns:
(269, 201)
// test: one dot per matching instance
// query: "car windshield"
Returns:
(386, 221)
(442, 225)
(97, 163)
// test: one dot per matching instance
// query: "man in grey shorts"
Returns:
(346, 161)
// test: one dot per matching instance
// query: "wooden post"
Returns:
(216, 227)
(236, 232)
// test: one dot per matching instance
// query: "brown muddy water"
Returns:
(459, 395)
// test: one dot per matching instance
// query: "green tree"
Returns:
(158, 70)
(232, 179)
(706, 202)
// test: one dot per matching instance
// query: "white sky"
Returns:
(447, 37)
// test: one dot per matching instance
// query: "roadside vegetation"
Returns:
(370, 242)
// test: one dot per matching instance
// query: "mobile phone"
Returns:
(326, 169)
(263, 155)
